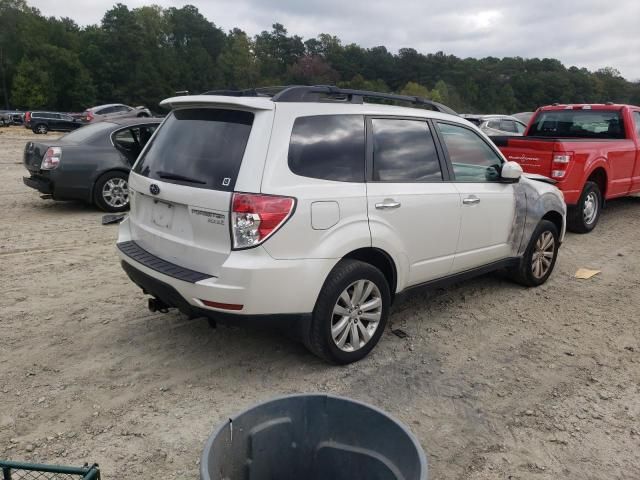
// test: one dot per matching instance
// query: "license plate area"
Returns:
(162, 214)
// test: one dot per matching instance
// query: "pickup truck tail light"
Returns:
(51, 159)
(254, 218)
(561, 162)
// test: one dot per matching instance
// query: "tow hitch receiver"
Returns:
(156, 305)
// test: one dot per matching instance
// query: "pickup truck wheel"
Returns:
(583, 217)
(540, 257)
(351, 312)
(111, 192)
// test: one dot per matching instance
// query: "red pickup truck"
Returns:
(592, 151)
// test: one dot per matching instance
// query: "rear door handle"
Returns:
(388, 204)
(472, 200)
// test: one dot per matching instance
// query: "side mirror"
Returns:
(511, 172)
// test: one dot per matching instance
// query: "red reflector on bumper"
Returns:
(223, 306)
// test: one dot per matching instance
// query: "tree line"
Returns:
(140, 56)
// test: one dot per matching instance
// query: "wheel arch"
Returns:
(555, 218)
(599, 176)
(379, 259)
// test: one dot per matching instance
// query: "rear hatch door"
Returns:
(183, 182)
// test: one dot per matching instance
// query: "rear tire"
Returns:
(583, 217)
(350, 314)
(41, 128)
(540, 257)
(111, 192)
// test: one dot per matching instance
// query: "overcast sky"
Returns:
(585, 33)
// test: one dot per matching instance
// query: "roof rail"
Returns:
(319, 93)
(248, 92)
(324, 93)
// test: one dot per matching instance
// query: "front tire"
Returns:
(111, 192)
(351, 312)
(583, 217)
(540, 257)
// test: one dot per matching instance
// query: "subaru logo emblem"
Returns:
(154, 189)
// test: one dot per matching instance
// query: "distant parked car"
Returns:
(5, 119)
(91, 163)
(497, 124)
(114, 111)
(524, 117)
(44, 122)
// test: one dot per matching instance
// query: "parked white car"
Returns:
(314, 210)
(498, 125)
(114, 111)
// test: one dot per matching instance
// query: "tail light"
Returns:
(561, 162)
(27, 117)
(254, 218)
(51, 159)
(89, 116)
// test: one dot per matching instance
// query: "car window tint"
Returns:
(495, 124)
(582, 123)
(471, 157)
(203, 144)
(329, 147)
(404, 151)
(508, 126)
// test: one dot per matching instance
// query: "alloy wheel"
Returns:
(356, 315)
(543, 253)
(115, 192)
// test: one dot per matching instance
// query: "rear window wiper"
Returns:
(175, 176)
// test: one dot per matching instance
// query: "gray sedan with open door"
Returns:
(90, 164)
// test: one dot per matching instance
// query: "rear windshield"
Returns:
(578, 124)
(84, 133)
(199, 147)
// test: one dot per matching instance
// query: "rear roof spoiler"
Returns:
(250, 103)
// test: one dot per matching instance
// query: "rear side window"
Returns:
(404, 151)
(199, 147)
(328, 147)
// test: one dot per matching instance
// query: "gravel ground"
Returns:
(496, 381)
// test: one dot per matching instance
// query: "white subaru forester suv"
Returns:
(313, 210)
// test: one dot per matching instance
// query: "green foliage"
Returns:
(142, 55)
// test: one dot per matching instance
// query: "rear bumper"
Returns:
(296, 324)
(251, 280)
(43, 185)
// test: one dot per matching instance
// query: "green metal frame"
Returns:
(88, 472)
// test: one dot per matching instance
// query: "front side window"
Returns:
(328, 147)
(520, 127)
(472, 159)
(404, 151)
(198, 147)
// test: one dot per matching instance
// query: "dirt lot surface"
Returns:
(496, 381)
